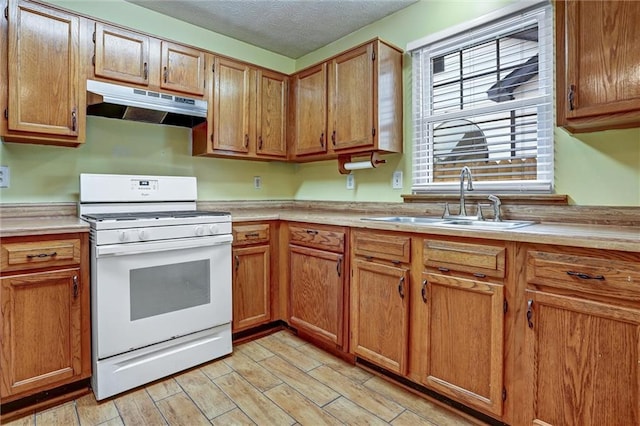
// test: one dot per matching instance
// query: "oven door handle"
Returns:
(157, 246)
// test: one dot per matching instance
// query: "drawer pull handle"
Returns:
(424, 290)
(530, 313)
(479, 275)
(584, 276)
(75, 286)
(312, 232)
(339, 267)
(32, 256)
(401, 287)
(443, 269)
(252, 235)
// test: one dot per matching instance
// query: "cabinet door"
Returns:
(121, 55)
(584, 359)
(351, 99)
(182, 68)
(41, 330)
(251, 287)
(271, 114)
(231, 106)
(465, 332)
(44, 73)
(379, 314)
(310, 103)
(601, 61)
(316, 293)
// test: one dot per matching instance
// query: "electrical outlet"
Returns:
(257, 182)
(4, 176)
(396, 180)
(351, 182)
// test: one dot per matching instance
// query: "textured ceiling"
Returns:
(292, 28)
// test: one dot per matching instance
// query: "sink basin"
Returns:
(416, 220)
(453, 223)
(484, 224)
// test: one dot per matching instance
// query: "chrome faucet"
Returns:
(465, 172)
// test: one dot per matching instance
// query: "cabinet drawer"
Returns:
(392, 247)
(317, 237)
(40, 254)
(610, 277)
(250, 234)
(477, 259)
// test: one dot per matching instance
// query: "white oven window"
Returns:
(162, 289)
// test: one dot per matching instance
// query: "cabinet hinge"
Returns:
(504, 394)
(373, 131)
(373, 56)
(505, 306)
(94, 36)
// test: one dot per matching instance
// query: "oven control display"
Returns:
(144, 185)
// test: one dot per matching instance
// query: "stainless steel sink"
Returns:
(484, 224)
(453, 223)
(416, 220)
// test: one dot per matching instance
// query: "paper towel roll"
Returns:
(359, 165)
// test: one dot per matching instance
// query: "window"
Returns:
(482, 98)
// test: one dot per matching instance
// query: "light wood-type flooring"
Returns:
(275, 380)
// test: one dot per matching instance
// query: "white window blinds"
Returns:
(483, 99)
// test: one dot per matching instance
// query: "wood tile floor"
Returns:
(276, 380)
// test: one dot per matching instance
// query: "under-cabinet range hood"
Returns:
(128, 103)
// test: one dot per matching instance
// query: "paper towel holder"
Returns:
(345, 165)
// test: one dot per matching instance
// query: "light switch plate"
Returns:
(396, 180)
(4, 176)
(351, 182)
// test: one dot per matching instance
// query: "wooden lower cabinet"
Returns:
(44, 312)
(316, 292)
(251, 279)
(465, 332)
(585, 361)
(380, 314)
(251, 287)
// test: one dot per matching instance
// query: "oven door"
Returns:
(146, 293)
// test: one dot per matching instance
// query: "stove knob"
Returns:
(199, 230)
(213, 229)
(142, 234)
(122, 236)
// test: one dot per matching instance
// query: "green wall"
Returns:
(600, 168)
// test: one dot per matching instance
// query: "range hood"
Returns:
(128, 103)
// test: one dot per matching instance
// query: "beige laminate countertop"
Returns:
(625, 238)
(21, 226)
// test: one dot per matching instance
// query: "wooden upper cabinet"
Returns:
(231, 106)
(44, 101)
(351, 98)
(271, 111)
(597, 59)
(121, 55)
(182, 68)
(309, 102)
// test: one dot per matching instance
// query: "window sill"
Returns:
(538, 199)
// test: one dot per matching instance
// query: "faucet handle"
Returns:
(446, 213)
(496, 207)
(479, 215)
